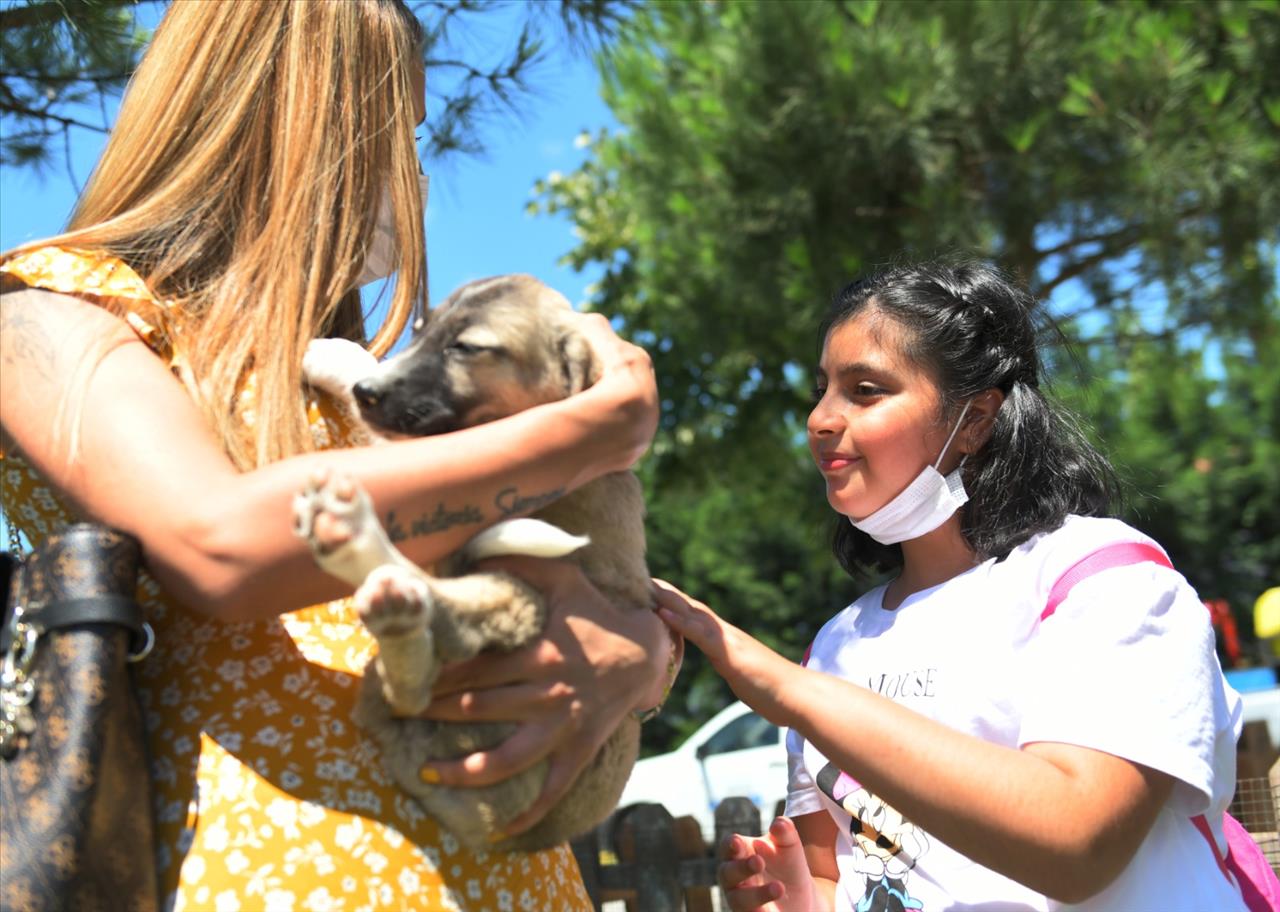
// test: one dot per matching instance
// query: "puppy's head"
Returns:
(493, 348)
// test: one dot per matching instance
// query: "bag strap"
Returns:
(1244, 863)
(120, 610)
(103, 597)
(1202, 825)
(99, 609)
(1120, 554)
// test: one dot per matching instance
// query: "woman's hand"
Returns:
(752, 670)
(568, 691)
(625, 387)
(767, 873)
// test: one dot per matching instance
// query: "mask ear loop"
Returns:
(954, 430)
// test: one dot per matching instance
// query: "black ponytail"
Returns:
(973, 329)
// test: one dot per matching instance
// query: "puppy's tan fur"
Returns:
(494, 348)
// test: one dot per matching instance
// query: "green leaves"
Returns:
(863, 11)
(1082, 100)
(1194, 432)
(1215, 87)
(1121, 156)
(899, 95)
(1021, 136)
(1272, 107)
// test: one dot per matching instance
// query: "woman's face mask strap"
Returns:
(380, 260)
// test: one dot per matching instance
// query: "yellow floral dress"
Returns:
(266, 796)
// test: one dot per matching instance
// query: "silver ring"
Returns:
(146, 647)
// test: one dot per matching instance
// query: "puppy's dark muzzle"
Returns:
(382, 404)
(367, 394)
(389, 405)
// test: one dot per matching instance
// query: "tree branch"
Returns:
(47, 13)
(65, 77)
(1114, 338)
(457, 64)
(11, 108)
(66, 157)
(1105, 237)
(1127, 233)
(1079, 266)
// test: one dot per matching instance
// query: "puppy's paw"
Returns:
(336, 365)
(331, 512)
(394, 601)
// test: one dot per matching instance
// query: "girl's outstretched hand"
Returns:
(767, 873)
(755, 672)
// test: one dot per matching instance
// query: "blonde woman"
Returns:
(151, 359)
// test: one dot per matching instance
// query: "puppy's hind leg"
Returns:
(483, 611)
(396, 605)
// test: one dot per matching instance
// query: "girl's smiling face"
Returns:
(878, 419)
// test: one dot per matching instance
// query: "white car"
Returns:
(736, 753)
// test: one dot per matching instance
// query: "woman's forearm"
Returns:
(235, 555)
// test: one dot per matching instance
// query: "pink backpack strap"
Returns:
(1120, 554)
(1202, 825)
(1244, 863)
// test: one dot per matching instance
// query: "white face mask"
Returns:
(380, 261)
(926, 503)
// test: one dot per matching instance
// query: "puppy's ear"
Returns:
(577, 362)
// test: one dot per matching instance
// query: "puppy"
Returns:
(494, 348)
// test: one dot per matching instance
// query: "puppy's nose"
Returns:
(366, 393)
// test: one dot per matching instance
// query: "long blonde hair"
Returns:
(242, 181)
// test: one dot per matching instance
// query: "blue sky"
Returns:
(476, 223)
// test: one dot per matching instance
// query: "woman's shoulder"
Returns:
(71, 270)
(94, 276)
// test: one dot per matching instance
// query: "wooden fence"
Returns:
(654, 862)
(1256, 803)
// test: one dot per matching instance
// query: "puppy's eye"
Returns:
(465, 349)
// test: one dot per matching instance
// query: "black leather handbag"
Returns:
(75, 806)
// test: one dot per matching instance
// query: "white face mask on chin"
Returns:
(380, 261)
(922, 506)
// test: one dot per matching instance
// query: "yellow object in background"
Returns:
(1266, 618)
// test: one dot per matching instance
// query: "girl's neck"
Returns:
(931, 559)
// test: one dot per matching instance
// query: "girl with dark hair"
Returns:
(979, 732)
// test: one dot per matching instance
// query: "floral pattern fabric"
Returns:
(266, 796)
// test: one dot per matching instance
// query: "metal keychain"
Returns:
(17, 688)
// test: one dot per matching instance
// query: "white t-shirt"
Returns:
(1126, 665)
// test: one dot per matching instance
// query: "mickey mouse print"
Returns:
(886, 845)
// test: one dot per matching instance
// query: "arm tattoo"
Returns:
(509, 502)
(28, 346)
(432, 521)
